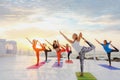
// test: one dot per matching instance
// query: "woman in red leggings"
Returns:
(59, 49)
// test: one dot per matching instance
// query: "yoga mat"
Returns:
(36, 66)
(69, 62)
(56, 65)
(87, 76)
(109, 67)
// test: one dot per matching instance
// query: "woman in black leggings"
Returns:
(108, 50)
(69, 51)
(46, 50)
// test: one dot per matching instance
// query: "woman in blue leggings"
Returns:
(108, 50)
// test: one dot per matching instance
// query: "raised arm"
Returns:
(29, 40)
(80, 36)
(48, 42)
(98, 41)
(70, 41)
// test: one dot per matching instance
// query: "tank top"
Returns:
(55, 46)
(77, 46)
(68, 49)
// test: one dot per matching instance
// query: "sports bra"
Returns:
(55, 46)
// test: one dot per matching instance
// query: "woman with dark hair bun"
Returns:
(58, 48)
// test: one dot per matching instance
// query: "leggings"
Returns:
(82, 54)
(46, 51)
(69, 54)
(59, 54)
(109, 54)
(37, 50)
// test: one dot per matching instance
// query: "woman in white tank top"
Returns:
(80, 49)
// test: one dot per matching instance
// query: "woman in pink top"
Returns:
(69, 51)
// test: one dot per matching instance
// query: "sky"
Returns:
(43, 19)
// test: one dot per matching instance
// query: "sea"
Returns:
(98, 54)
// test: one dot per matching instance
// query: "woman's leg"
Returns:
(109, 58)
(45, 55)
(37, 56)
(115, 49)
(37, 50)
(62, 49)
(46, 52)
(88, 49)
(59, 54)
(81, 56)
(69, 55)
(58, 57)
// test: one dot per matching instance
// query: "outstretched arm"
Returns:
(70, 41)
(29, 40)
(98, 41)
(48, 42)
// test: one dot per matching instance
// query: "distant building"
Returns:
(9, 47)
(2, 46)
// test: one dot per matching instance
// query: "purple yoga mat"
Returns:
(56, 65)
(109, 67)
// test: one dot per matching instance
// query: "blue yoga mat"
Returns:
(109, 67)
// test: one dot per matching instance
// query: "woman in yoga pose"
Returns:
(59, 49)
(46, 50)
(80, 49)
(37, 50)
(69, 51)
(108, 50)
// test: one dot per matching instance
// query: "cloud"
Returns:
(86, 8)
(55, 15)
